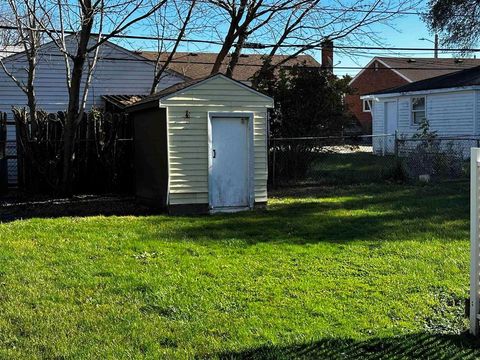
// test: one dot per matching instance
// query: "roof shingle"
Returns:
(199, 65)
(467, 77)
(417, 69)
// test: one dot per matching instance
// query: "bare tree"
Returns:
(90, 24)
(22, 34)
(183, 16)
(312, 27)
(246, 16)
(305, 23)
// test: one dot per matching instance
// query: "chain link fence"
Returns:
(349, 160)
(439, 158)
(325, 161)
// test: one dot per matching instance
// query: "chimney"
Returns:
(327, 55)
(435, 52)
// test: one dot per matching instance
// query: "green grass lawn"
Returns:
(362, 272)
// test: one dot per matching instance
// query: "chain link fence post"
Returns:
(273, 162)
(396, 144)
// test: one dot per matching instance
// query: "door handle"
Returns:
(214, 153)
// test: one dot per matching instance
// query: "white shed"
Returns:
(449, 102)
(201, 146)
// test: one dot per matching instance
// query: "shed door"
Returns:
(229, 163)
(390, 125)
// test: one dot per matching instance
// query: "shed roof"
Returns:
(463, 78)
(150, 100)
(199, 65)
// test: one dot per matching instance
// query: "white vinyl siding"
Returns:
(477, 112)
(118, 72)
(378, 127)
(449, 114)
(188, 137)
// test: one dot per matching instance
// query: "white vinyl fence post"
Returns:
(474, 241)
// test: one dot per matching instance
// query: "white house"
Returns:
(118, 71)
(450, 103)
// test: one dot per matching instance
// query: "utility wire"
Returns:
(265, 45)
(461, 65)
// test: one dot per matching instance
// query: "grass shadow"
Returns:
(412, 346)
(369, 213)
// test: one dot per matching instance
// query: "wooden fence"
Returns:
(103, 153)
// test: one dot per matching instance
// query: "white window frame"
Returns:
(367, 101)
(412, 118)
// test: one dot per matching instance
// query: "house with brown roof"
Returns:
(383, 73)
(197, 65)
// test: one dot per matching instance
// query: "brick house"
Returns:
(384, 73)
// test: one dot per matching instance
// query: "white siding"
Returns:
(188, 138)
(378, 126)
(477, 112)
(449, 114)
(118, 72)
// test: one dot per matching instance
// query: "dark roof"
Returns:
(199, 65)
(467, 77)
(416, 69)
(174, 88)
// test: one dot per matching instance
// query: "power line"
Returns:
(266, 45)
(121, 36)
(372, 11)
(335, 67)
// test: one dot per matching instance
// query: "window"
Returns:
(367, 105)
(375, 66)
(418, 110)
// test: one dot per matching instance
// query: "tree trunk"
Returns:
(236, 54)
(72, 118)
(227, 45)
(31, 96)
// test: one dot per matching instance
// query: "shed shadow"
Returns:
(78, 206)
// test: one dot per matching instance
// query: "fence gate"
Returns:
(474, 241)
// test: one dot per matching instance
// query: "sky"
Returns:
(403, 31)
(408, 30)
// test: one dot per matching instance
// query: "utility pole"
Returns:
(435, 45)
